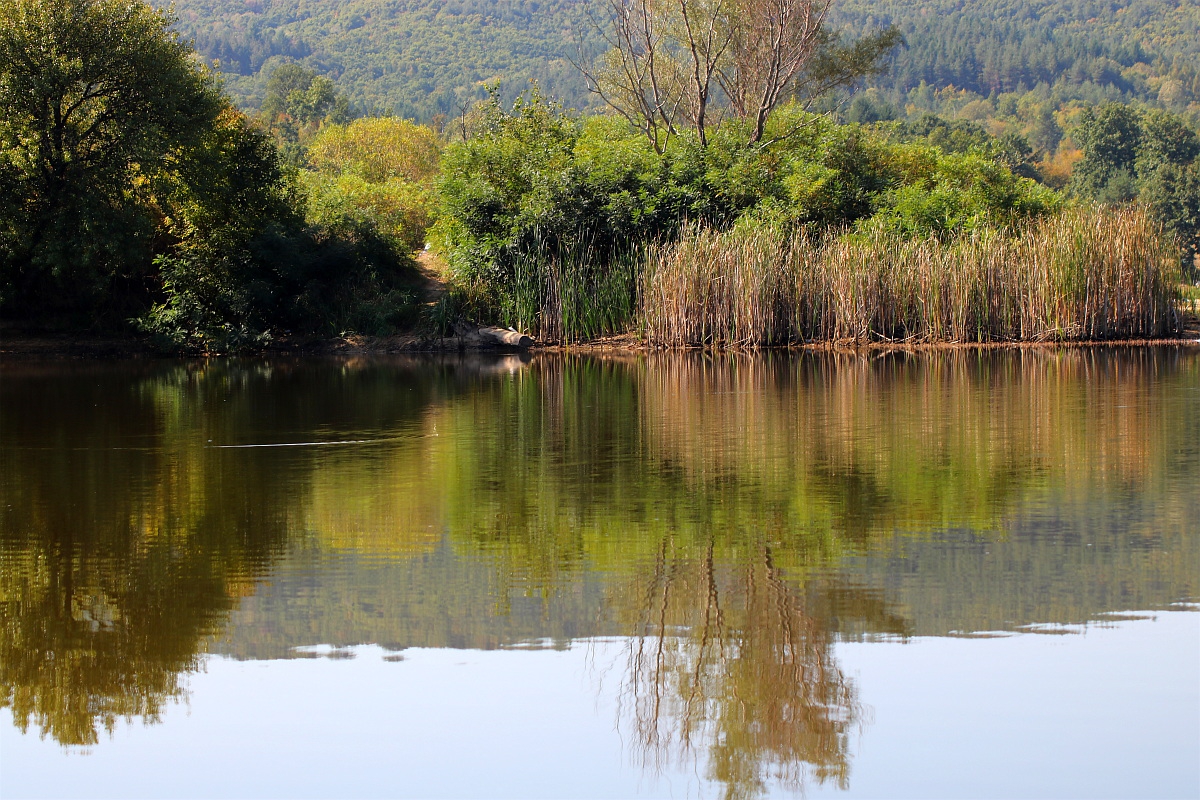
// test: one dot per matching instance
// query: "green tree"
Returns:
(1166, 139)
(298, 102)
(1169, 171)
(1110, 137)
(379, 171)
(1173, 194)
(378, 149)
(99, 97)
(1150, 156)
(230, 200)
(247, 265)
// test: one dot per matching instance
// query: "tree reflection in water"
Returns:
(727, 667)
(124, 543)
(125, 540)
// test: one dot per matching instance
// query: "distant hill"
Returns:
(414, 58)
(1087, 50)
(419, 58)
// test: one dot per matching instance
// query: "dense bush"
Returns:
(377, 172)
(539, 207)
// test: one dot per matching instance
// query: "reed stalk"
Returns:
(1084, 274)
(570, 292)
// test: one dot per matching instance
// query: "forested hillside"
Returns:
(1028, 66)
(1102, 48)
(412, 58)
(419, 58)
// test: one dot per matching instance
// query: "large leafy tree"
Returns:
(1151, 156)
(99, 100)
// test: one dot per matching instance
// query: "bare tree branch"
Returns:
(666, 55)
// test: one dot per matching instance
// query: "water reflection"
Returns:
(730, 517)
(120, 555)
(127, 537)
(727, 660)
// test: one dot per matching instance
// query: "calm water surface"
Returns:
(956, 575)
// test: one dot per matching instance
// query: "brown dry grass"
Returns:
(1084, 275)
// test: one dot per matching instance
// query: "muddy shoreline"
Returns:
(23, 347)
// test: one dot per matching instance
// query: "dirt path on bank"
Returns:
(433, 272)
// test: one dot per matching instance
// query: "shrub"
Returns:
(378, 149)
(396, 210)
(539, 207)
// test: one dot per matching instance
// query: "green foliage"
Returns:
(426, 57)
(1173, 194)
(394, 209)
(538, 207)
(99, 98)
(1165, 139)
(1110, 137)
(130, 188)
(961, 136)
(378, 149)
(1150, 156)
(230, 192)
(536, 193)
(247, 266)
(868, 107)
(239, 289)
(961, 192)
(297, 104)
(300, 95)
(422, 59)
(376, 172)
(1065, 51)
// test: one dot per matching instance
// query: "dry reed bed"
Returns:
(1086, 274)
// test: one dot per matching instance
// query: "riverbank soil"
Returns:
(18, 343)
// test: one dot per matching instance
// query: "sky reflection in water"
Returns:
(731, 569)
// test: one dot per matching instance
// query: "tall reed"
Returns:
(1085, 274)
(569, 292)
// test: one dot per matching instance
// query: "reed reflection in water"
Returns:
(727, 669)
(732, 517)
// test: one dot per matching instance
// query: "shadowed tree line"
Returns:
(131, 191)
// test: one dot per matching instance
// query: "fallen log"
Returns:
(506, 337)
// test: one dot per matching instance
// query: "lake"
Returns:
(943, 574)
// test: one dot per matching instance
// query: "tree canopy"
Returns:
(100, 100)
(131, 189)
(1149, 156)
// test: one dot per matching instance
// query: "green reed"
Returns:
(570, 292)
(1085, 274)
